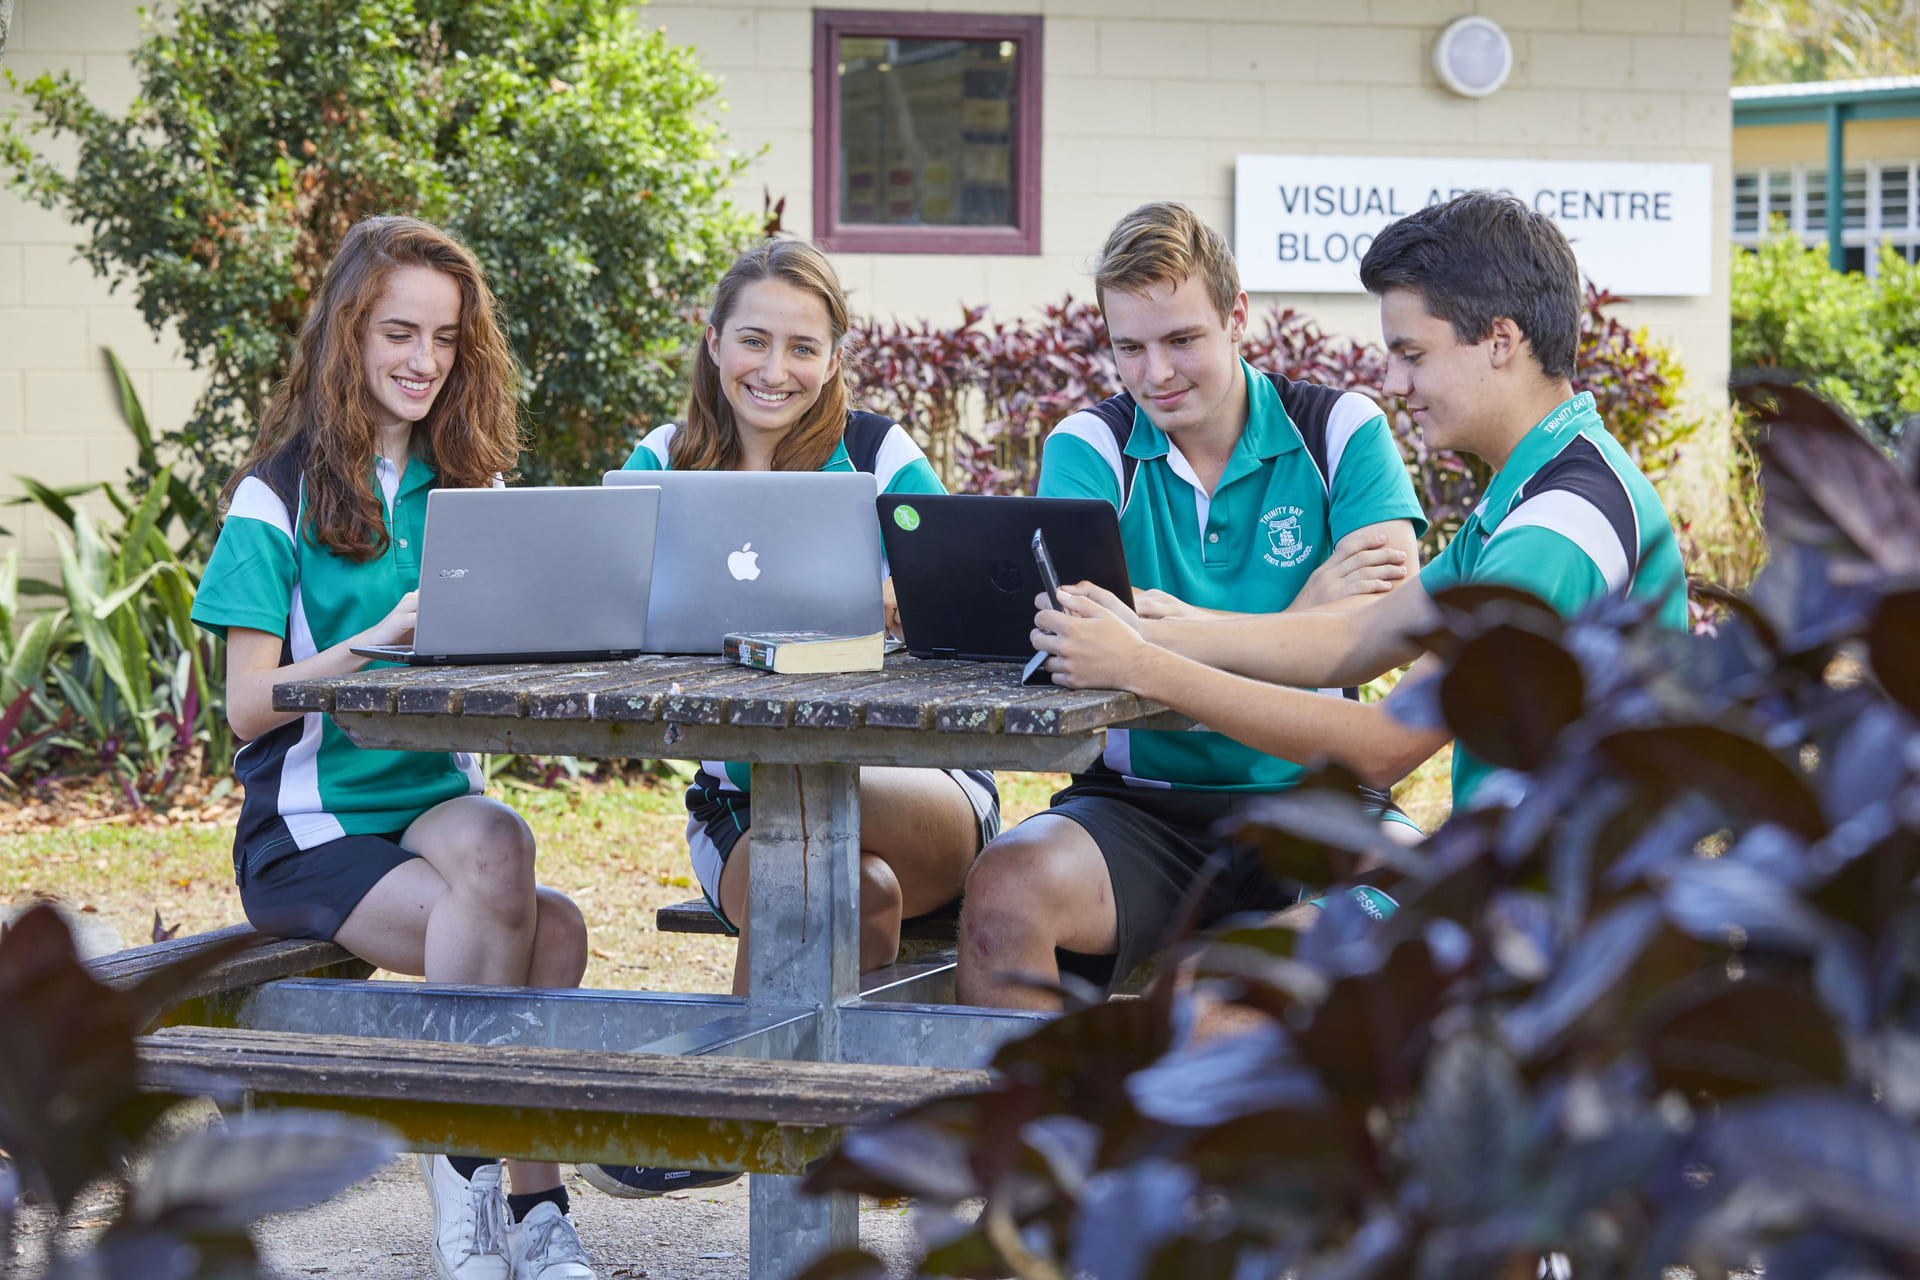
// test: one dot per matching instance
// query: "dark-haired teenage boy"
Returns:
(1236, 491)
(1480, 307)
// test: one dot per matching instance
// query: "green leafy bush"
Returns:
(1654, 1008)
(117, 678)
(563, 142)
(1856, 339)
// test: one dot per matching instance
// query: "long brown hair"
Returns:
(321, 417)
(708, 440)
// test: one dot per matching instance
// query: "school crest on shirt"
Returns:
(1287, 543)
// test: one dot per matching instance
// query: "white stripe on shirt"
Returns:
(1581, 523)
(299, 802)
(255, 499)
(1351, 412)
(659, 441)
(1091, 428)
(897, 452)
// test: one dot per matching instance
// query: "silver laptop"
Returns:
(760, 551)
(532, 575)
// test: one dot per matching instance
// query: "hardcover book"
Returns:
(806, 652)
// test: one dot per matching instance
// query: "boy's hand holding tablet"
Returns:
(1091, 640)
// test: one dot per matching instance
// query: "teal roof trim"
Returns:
(1888, 98)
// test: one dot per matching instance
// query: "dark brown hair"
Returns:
(1481, 256)
(708, 440)
(322, 415)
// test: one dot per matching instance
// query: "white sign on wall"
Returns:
(1302, 223)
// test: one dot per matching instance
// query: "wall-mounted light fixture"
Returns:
(1473, 56)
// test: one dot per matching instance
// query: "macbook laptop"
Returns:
(760, 551)
(532, 575)
(964, 573)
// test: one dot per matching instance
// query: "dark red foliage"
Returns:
(981, 397)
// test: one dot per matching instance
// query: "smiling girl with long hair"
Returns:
(769, 393)
(402, 382)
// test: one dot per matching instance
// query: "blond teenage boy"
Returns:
(1233, 488)
(1480, 306)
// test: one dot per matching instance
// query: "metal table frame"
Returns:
(808, 1000)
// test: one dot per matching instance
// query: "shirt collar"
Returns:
(1268, 434)
(1545, 439)
(418, 475)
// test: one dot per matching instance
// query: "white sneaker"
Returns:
(469, 1221)
(545, 1246)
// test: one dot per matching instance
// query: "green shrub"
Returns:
(564, 143)
(1856, 339)
(116, 678)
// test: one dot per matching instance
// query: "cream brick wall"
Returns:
(1138, 105)
(1789, 144)
(59, 411)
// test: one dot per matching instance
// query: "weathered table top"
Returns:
(803, 960)
(914, 712)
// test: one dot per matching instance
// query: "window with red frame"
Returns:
(926, 132)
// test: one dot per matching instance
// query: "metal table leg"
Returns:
(803, 949)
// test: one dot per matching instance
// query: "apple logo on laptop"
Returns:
(744, 564)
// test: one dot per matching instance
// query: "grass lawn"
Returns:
(617, 848)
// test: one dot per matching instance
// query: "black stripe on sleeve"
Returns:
(1310, 408)
(1582, 470)
(865, 434)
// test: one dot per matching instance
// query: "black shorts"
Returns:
(1155, 842)
(290, 892)
(716, 819)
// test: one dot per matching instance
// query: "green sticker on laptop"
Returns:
(906, 517)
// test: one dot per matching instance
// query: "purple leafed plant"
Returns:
(980, 397)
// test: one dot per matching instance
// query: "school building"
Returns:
(1846, 152)
(976, 151)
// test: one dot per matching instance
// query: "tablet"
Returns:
(963, 568)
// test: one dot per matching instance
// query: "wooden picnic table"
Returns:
(806, 737)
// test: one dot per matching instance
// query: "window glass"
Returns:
(1854, 195)
(1896, 208)
(928, 130)
(1779, 194)
(1746, 203)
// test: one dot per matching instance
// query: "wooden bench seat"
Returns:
(696, 917)
(273, 959)
(924, 938)
(552, 1104)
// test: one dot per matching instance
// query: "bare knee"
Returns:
(494, 867)
(882, 903)
(559, 941)
(1042, 886)
(1023, 878)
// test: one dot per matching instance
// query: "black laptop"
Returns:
(963, 568)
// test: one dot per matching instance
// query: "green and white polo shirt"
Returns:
(306, 774)
(1570, 519)
(871, 443)
(1312, 465)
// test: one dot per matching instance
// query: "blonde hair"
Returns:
(707, 439)
(1165, 241)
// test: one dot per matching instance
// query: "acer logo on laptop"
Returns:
(453, 573)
